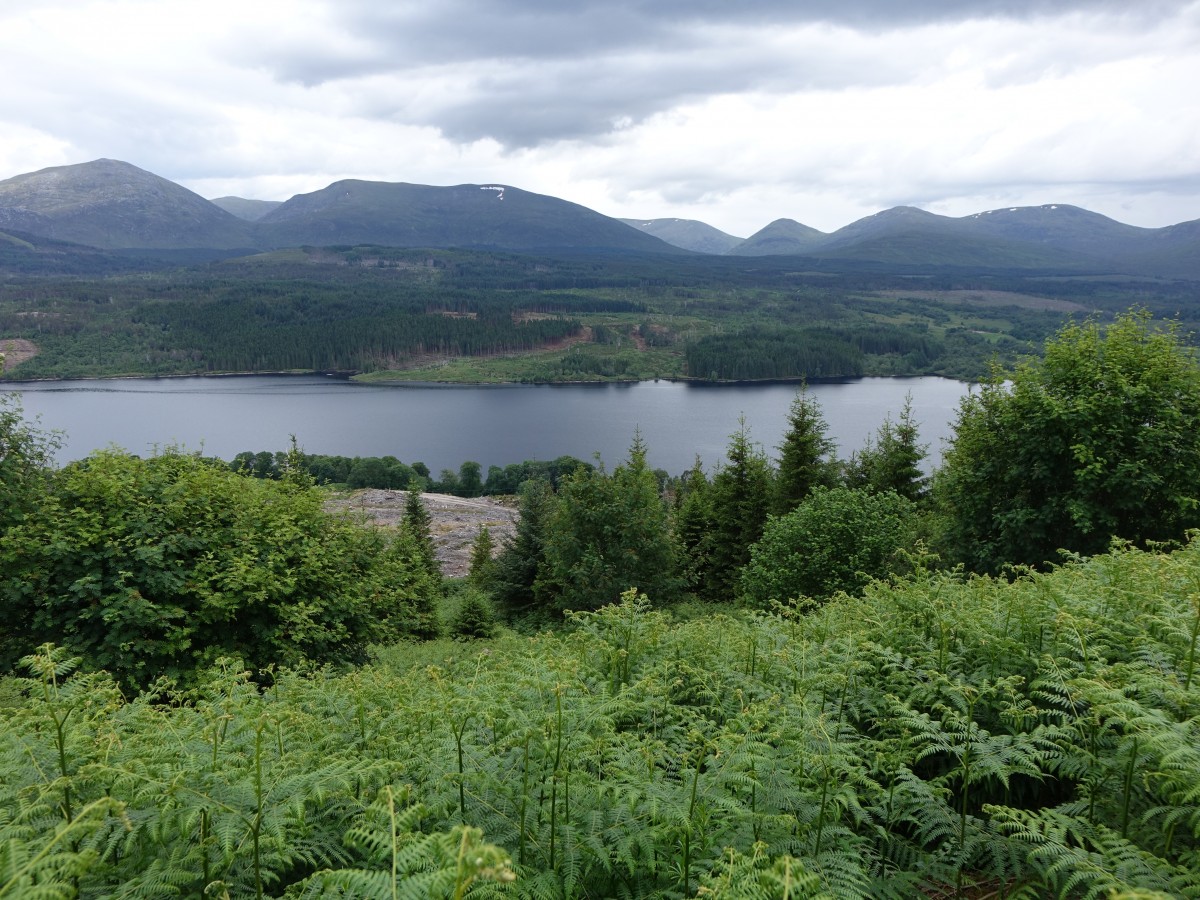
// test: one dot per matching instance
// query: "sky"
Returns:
(734, 113)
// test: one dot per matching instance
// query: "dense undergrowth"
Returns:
(938, 737)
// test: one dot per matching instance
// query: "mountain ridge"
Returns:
(115, 206)
(783, 237)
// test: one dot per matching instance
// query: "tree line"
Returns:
(1098, 441)
(390, 473)
(370, 308)
(765, 352)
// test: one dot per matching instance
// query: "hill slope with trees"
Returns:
(892, 728)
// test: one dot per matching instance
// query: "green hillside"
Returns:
(490, 316)
(781, 237)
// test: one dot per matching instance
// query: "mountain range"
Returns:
(113, 205)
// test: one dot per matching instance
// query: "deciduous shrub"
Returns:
(836, 540)
(1099, 439)
(149, 567)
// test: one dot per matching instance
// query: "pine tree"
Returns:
(482, 563)
(892, 462)
(516, 567)
(741, 496)
(418, 526)
(608, 533)
(806, 457)
(694, 525)
(408, 590)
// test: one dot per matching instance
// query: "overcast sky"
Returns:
(736, 112)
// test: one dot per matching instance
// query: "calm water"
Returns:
(444, 425)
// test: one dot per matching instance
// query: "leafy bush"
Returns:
(838, 539)
(159, 566)
(1099, 439)
(25, 454)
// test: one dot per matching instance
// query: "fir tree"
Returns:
(740, 499)
(608, 533)
(806, 457)
(516, 567)
(893, 461)
(482, 562)
(694, 525)
(418, 526)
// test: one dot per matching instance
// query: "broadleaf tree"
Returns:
(1098, 440)
(150, 567)
(837, 539)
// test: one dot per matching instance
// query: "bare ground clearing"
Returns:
(14, 351)
(455, 520)
(436, 360)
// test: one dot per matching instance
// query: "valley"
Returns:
(110, 270)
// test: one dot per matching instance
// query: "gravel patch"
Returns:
(455, 521)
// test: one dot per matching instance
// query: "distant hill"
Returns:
(112, 205)
(250, 210)
(905, 234)
(783, 237)
(466, 215)
(22, 253)
(1048, 237)
(1057, 225)
(689, 234)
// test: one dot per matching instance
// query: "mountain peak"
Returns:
(690, 234)
(783, 237)
(112, 204)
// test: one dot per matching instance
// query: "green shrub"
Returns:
(838, 539)
(158, 566)
(475, 616)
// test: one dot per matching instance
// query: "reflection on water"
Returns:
(443, 425)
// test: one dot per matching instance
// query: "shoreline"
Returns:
(351, 379)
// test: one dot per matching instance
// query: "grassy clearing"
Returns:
(587, 362)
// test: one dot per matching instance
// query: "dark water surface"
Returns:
(443, 425)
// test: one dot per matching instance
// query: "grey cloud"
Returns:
(413, 35)
(524, 105)
(539, 71)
